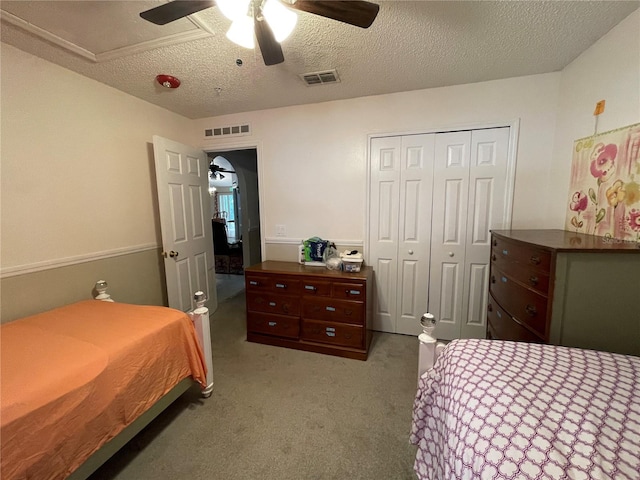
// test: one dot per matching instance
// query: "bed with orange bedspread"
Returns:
(74, 377)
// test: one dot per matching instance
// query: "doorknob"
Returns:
(410, 252)
(451, 254)
(171, 254)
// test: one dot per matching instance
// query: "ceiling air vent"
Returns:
(320, 78)
(229, 131)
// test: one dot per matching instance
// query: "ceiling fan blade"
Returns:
(354, 12)
(271, 50)
(175, 10)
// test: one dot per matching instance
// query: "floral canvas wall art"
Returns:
(604, 194)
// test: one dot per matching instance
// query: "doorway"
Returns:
(236, 212)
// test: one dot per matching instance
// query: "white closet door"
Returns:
(487, 201)
(383, 228)
(414, 231)
(470, 196)
(399, 230)
(449, 231)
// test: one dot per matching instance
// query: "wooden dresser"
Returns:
(564, 288)
(310, 308)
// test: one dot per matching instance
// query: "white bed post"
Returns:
(200, 318)
(429, 347)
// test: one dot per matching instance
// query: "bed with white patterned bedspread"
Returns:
(506, 410)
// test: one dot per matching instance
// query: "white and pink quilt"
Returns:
(506, 410)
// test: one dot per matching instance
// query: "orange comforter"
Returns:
(74, 377)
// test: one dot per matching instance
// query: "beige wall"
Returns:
(609, 70)
(77, 168)
(77, 178)
(312, 160)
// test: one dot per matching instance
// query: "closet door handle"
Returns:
(410, 252)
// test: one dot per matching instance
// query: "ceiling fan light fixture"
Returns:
(233, 9)
(281, 20)
(241, 32)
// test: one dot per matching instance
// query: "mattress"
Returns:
(507, 410)
(75, 376)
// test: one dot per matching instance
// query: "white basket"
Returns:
(351, 264)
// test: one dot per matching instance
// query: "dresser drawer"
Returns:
(315, 287)
(349, 291)
(276, 325)
(334, 333)
(527, 306)
(502, 327)
(265, 283)
(273, 303)
(333, 310)
(528, 275)
(523, 254)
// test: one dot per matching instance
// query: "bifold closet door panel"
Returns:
(383, 228)
(399, 229)
(449, 230)
(470, 199)
(414, 231)
(486, 211)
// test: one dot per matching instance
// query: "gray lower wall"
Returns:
(133, 278)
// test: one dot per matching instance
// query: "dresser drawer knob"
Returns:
(505, 252)
(310, 287)
(330, 331)
(531, 310)
(490, 307)
(503, 279)
(281, 285)
(273, 324)
(272, 304)
(254, 283)
(352, 292)
(493, 257)
(495, 242)
(493, 279)
(330, 309)
(535, 259)
(533, 280)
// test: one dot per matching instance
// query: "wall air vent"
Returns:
(320, 78)
(228, 131)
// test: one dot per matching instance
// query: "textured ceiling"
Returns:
(411, 45)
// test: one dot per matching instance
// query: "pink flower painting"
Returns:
(604, 191)
(603, 161)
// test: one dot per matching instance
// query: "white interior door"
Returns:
(399, 230)
(182, 175)
(470, 194)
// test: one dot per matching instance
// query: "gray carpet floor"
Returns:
(279, 414)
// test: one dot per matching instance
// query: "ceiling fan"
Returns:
(216, 170)
(353, 12)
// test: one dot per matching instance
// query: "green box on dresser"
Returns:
(310, 308)
(565, 288)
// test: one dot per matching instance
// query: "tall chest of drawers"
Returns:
(564, 288)
(310, 308)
